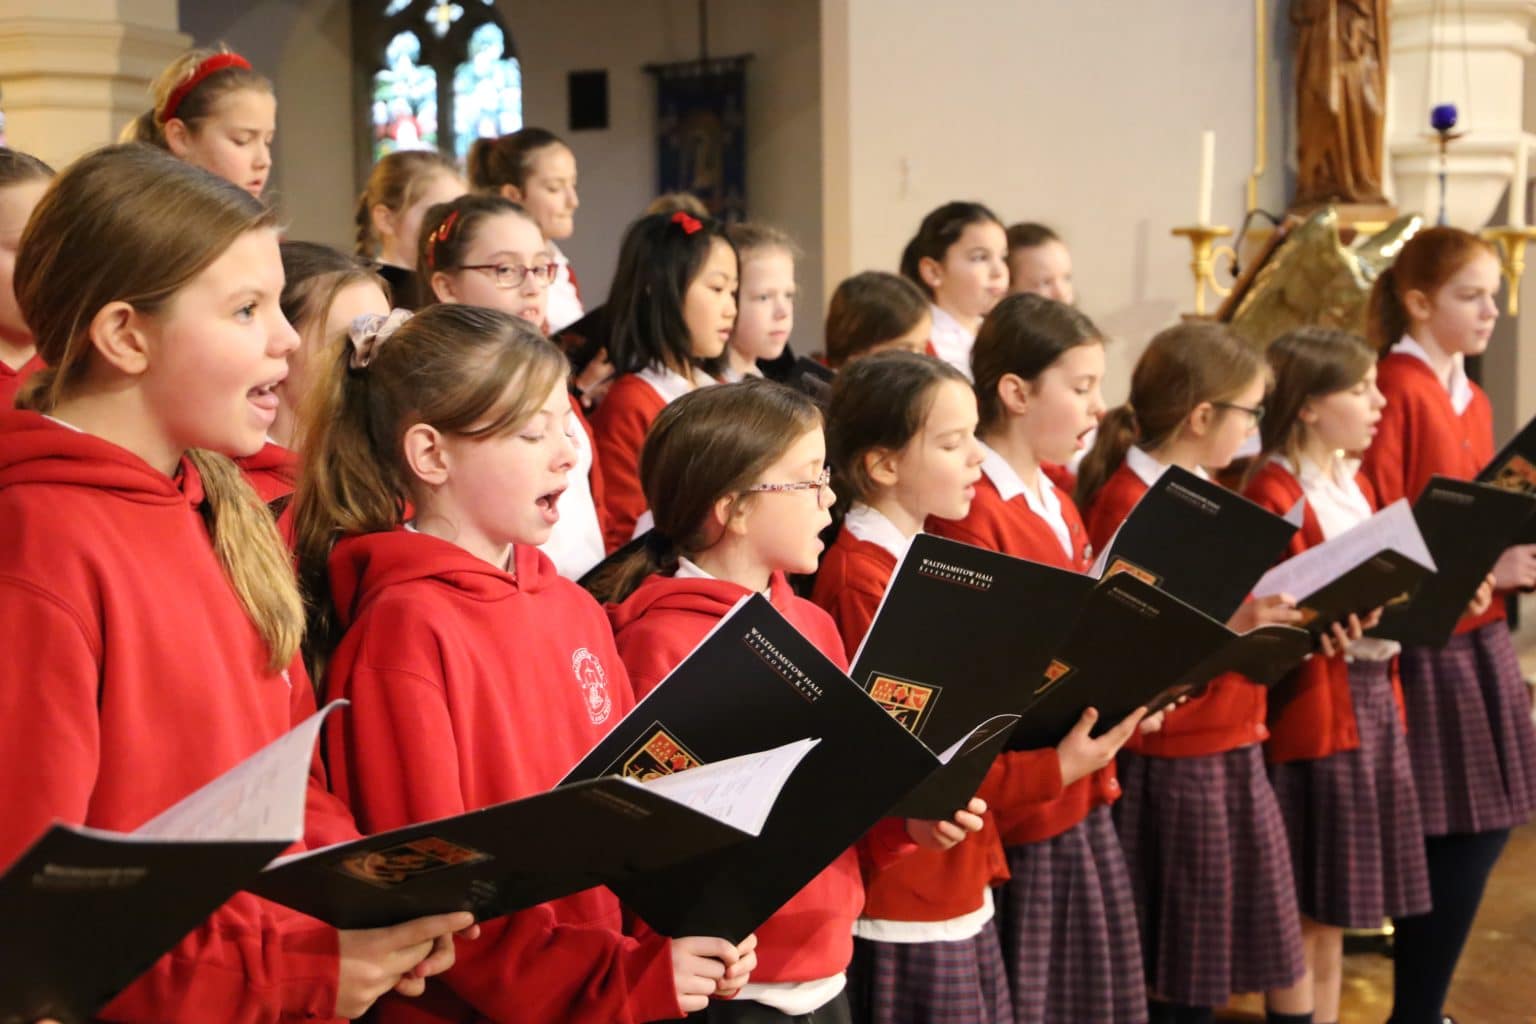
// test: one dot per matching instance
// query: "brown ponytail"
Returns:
(1427, 261)
(1182, 367)
(133, 224)
(707, 444)
(395, 183)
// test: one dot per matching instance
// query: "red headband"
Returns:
(218, 62)
(686, 221)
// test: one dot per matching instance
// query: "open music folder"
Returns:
(1198, 541)
(1514, 469)
(83, 912)
(1466, 527)
(521, 853)
(755, 681)
(956, 645)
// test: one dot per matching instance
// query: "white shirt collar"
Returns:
(1046, 504)
(670, 384)
(1459, 387)
(873, 527)
(1148, 470)
(951, 341)
(688, 569)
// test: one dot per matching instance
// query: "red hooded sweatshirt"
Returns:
(130, 675)
(12, 380)
(656, 627)
(473, 686)
(273, 471)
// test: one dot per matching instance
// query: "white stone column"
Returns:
(73, 73)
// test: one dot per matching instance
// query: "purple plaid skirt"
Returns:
(960, 982)
(1068, 929)
(1470, 737)
(1353, 817)
(1211, 874)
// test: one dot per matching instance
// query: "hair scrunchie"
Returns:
(368, 332)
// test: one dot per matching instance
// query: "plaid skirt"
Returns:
(1211, 874)
(1353, 817)
(1068, 929)
(959, 982)
(1470, 738)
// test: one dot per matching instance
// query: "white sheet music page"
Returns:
(262, 797)
(1391, 529)
(739, 791)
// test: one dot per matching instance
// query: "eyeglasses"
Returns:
(510, 275)
(1256, 411)
(822, 485)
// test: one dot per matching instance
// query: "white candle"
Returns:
(1517, 185)
(1207, 171)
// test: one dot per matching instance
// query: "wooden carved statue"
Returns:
(1341, 84)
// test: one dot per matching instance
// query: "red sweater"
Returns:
(1420, 435)
(12, 380)
(1317, 717)
(929, 885)
(458, 672)
(1018, 779)
(811, 936)
(1231, 712)
(273, 471)
(620, 424)
(130, 675)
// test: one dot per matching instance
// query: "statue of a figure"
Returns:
(1341, 83)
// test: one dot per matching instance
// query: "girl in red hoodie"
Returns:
(324, 290)
(151, 622)
(22, 181)
(1470, 739)
(673, 306)
(478, 674)
(1202, 833)
(1067, 927)
(484, 250)
(1338, 756)
(737, 477)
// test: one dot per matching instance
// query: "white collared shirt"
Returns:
(575, 544)
(564, 307)
(873, 527)
(670, 384)
(1459, 387)
(1148, 470)
(1338, 503)
(1043, 502)
(951, 341)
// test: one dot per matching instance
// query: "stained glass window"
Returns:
(444, 73)
(487, 90)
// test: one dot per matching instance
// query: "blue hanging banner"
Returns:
(701, 132)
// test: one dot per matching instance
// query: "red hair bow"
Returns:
(218, 62)
(687, 221)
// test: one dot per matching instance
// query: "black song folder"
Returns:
(1466, 526)
(960, 636)
(1514, 469)
(753, 682)
(1198, 541)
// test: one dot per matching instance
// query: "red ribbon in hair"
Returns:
(218, 62)
(442, 234)
(687, 221)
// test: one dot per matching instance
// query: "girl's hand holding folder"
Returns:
(1484, 596)
(1516, 568)
(1274, 610)
(945, 835)
(1081, 755)
(738, 973)
(376, 960)
(1344, 632)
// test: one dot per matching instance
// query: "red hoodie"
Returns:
(130, 675)
(273, 471)
(811, 936)
(620, 425)
(471, 687)
(1230, 713)
(12, 380)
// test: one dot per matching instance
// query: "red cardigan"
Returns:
(12, 380)
(1317, 716)
(1420, 435)
(1231, 712)
(1018, 779)
(928, 885)
(619, 425)
(273, 471)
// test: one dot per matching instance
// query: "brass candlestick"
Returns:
(1511, 242)
(1203, 264)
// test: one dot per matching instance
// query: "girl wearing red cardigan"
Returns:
(1337, 751)
(737, 477)
(1066, 922)
(1470, 737)
(1202, 832)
